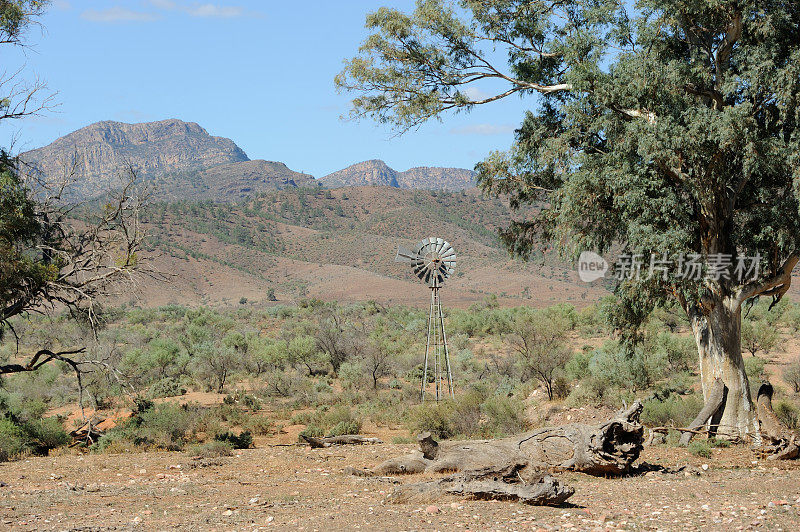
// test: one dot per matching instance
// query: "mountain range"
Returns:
(271, 230)
(183, 161)
(378, 173)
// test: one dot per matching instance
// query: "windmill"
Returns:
(433, 261)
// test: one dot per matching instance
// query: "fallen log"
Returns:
(605, 449)
(349, 439)
(714, 401)
(506, 482)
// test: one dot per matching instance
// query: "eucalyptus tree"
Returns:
(664, 129)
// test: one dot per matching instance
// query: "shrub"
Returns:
(340, 421)
(435, 419)
(165, 426)
(244, 399)
(212, 449)
(719, 442)
(673, 411)
(700, 448)
(788, 414)
(12, 440)
(45, 434)
(37, 436)
(506, 415)
(166, 387)
(260, 425)
(242, 441)
(329, 422)
(590, 391)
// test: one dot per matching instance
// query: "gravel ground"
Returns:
(295, 488)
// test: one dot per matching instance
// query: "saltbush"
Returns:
(211, 449)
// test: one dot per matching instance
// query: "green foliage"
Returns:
(700, 448)
(758, 336)
(243, 441)
(166, 387)
(675, 411)
(791, 374)
(788, 413)
(754, 368)
(12, 440)
(336, 421)
(212, 449)
(35, 436)
(165, 426)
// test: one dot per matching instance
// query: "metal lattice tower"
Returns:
(433, 261)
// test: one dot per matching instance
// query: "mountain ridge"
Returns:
(183, 161)
(376, 172)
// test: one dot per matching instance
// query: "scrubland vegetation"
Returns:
(208, 381)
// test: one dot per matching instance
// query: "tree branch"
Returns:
(776, 286)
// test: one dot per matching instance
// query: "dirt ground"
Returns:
(296, 488)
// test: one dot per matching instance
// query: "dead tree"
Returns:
(515, 467)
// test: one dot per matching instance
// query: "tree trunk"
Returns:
(718, 338)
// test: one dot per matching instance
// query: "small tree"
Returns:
(377, 360)
(758, 335)
(792, 375)
(214, 364)
(538, 340)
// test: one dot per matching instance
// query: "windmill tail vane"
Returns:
(433, 261)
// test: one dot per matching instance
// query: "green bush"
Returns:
(166, 387)
(242, 441)
(336, 421)
(673, 411)
(212, 449)
(166, 426)
(700, 448)
(259, 425)
(12, 440)
(433, 418)
(505, 416)
(45, 434)
(788, 413)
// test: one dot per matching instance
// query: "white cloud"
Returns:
(62, 5)
(475, 94)
(197, 9)
(483, 129)
(117, 14)
(215, 11)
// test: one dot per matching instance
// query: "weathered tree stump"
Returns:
(780, 442)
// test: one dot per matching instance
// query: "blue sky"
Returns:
(260, 73)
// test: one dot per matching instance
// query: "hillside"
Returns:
(378, 173)
(340, 245)
(181, 158)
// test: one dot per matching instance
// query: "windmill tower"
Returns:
(433, 261)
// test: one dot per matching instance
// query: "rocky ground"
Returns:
(298, 488)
